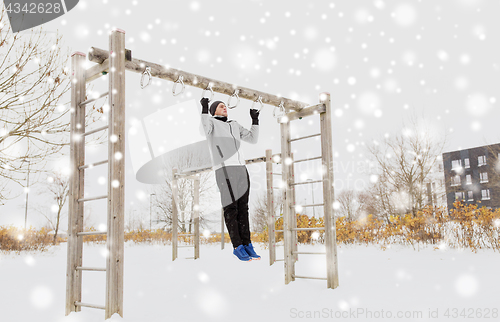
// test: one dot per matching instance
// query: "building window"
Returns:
(483, 177)
(468, 179)
(466, 163)
(470, 196)
(485, 194)
(455, 181)
(456, 164)
(481, 160)
(459, 195)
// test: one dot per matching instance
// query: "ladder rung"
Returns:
(91, 165)
(307, 229)
(102, 128)
(92, 198)
(93, 99)
(189, 258)
(279, 260)
(306, 182)
(310, 253)
(90, 233)
(308, 159)
(185, 234)
(277, 174)
(90, 269)
(185, 246)
(94, 306)
(313, 205)
(278, 231)
(277, 188)
(309, 277)
(304, 137)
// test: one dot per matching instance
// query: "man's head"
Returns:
(218, 108)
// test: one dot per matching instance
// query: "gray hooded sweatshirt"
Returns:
(224, 139)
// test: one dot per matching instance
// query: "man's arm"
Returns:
(253, 135)
(206, 119)
(250, 136)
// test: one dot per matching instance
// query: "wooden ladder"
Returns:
(116, 181)
(195, 215)
(289, 219)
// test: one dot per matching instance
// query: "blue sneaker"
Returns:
(251, 252)
(241, 253)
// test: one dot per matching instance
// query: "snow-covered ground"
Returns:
(217, 287)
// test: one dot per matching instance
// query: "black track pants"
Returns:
(235, 213)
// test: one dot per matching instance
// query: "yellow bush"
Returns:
(17, 239)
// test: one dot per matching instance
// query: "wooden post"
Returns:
(294, 213)
(270, 208)
(75, 208)
(222, 236)
(116, 183)
(174, 214)
(287, 198)
(196, 210)
(328, 193)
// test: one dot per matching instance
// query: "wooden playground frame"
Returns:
(116, 62)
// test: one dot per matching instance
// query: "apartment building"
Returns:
(473, 176)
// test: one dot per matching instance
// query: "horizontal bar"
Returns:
(277, 174)
(309, 277)
(93, 99)
(102, 128)
(97, 71)
(308, 159)
(313, 205)
(306, 182)
(185, 234)
(79, 268)
(185, 246)
(199, 170)
(279, 260)
(185, 176)
(256, 160)
(304, 137)
(278, 231)
(91, 233)
(189, 258)
(306, 111)
(307, 229)
(93, 198)
(94, 306)
(91, 165)
(277, 188)
(99, 56)
(310, 253)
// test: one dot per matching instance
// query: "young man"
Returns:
(224, 138)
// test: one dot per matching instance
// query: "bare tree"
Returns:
(352, 204)
(162, 202)
(57, 186)
(259, 218)
(403, 163)
(34, 77)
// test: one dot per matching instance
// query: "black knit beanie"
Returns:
(213, 107)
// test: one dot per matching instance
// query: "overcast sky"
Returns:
(382, 62)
